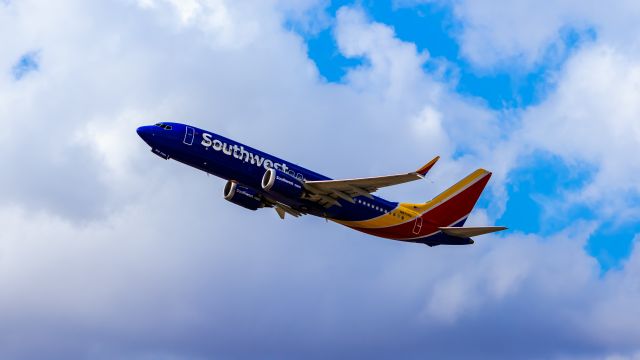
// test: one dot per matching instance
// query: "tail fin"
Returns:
(451, 207)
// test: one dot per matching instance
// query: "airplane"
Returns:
(258, 180)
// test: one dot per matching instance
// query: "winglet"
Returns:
(425, 169)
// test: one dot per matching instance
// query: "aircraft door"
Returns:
(188, 135)
(417, 226)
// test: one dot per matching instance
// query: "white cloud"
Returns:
(229, 24)
(395, 65)
(497, 32)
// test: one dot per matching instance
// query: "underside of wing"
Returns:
(327, 192)
(283, 209)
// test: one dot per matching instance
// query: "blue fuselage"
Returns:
(233, 161)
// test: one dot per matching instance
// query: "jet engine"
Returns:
(281, 183)
(242, 195)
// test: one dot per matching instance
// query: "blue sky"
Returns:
(107, 251)
(26, 64)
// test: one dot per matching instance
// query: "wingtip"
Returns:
(425, 169)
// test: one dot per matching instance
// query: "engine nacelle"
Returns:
(242, 195)
(281, 183)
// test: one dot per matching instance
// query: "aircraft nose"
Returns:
(144, 132)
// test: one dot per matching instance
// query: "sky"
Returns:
(107, 251)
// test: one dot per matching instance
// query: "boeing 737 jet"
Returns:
(258, 180)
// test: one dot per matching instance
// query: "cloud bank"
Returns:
(106, 251)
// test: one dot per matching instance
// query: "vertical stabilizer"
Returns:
(452, 206)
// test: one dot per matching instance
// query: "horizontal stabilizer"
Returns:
(466, 232)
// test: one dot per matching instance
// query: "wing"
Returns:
(327, 192)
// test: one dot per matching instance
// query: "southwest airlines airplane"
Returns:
(257, 180)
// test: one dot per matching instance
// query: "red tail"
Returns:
(452, 207)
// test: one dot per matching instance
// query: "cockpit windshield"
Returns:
(164, 126)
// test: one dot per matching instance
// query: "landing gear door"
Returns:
(188, 135)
